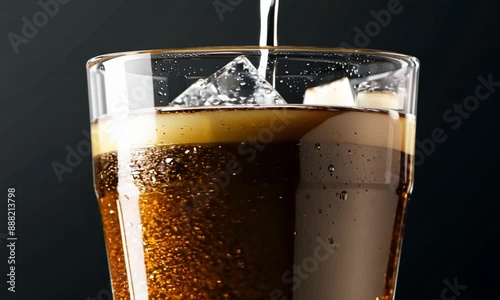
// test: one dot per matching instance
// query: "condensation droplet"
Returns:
(317, 146)
(343, 195)
(331, 169)
(330, 240)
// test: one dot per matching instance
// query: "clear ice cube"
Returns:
(385, 82)
(385, 90)
(237, 83)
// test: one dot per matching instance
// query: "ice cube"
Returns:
(378, 99)
(237, 83)
(384, 90)
(336, 93)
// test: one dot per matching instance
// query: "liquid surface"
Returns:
(268, 203)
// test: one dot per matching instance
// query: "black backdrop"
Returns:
(452, 226)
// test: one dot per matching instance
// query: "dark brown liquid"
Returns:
(265, 218)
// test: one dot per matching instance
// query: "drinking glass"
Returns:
(253, 172)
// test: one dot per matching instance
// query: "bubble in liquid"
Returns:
(343, 195)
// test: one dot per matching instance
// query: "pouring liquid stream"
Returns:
(269, 10)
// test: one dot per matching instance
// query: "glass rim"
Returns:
(412, 61)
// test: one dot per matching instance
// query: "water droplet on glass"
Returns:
(331, 169)
(101, 67)
(343, 195)
(317, 146)
(349, 151)
(330, 240)
(162, 88)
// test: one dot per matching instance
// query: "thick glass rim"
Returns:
(411, 61)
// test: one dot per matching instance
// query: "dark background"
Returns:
(453, 221)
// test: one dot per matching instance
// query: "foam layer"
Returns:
(263, 124)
